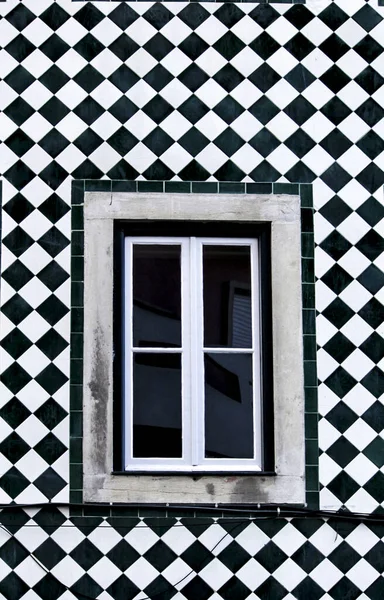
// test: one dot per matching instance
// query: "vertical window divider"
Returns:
(128, 355)
(195, 326)
(256, 355)
(186, 354)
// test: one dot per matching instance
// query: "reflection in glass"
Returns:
(227, 296)
(228, 406)
(157, 406)
(156, 295)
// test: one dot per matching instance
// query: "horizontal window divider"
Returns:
(229, 350)
(197, 473)
(158, 350)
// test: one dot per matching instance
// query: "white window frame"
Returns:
(192, 352)
(100, 482)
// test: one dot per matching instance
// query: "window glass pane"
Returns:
(156, 295)
(227, 296)
(228, 406)
(157, 405)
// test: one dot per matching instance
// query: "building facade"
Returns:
(244, 100)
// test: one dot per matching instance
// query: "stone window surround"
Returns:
(100, 484)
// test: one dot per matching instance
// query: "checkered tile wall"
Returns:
(195, 92)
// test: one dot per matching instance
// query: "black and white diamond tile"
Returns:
(188, 558)
(198, 91)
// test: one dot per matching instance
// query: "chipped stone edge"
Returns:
(100, 485)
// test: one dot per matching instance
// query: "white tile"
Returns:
(215, 539)
(212, 61)
(361, 469)
(176, 158)
(106, 94)
(37, 127)
(212, 30)
(70, 158)
(360, 434)
(178, 539)
(7, 63)
(353, 228)
(7, 32)
(140, 157)
(71, 126)
(141, 62)
(353, 127)
(68, 537)
(71, 62)
(289, 539)
(354, 262)
(316, 31)
(211, 157)
(141, 93)
(175, 93)
(282, 94)
(317, 62)
(318, 127)
(32, 395)
(31, 537)
(141, 538)
(71, 32)
(351, 63)
(246, 61)
(353, 95)
(356, 330)
(105, 157)
(104, 537)
(106, 32)
(359, 399)
(31, 465)
(289, 574)
(362, 539)
(106, 62)
(281, 30)
(36, 224)
(354, 161)
(7, 96)
(328, 469)
(37, 159)
(282, 126)
(325, 365)
(252, 539)
(325, 539)
(324, 330)
(355, 295)
(318, 160)
(246, 29)
(282, 158)
(252, 574)
(68, 571)
(282, 62)
(361, 502)
(104, 572)
(7, 157)
(324, 296)
(211, 125)
(326, 574)
(216, 574)
(317, 94)
(328, 434)
(176, 572)
(211, 93)
(105, 126)
(141, 31)
(176, 62)
(351, 32)
(246, 158)
(247, 94)
(7, 126)
(36, 95)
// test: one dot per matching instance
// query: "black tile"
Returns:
(12, 587)
(300, 78)
(52, 310)
(300, 173)
(375, 557)
(341, 417)
(158, 171)
(19, 175)
(375, 590)
(160, 555)
(123, 555)
(299, 16)
(13, 483)
(367, 17)
(87, 170)
(342, 452)
(193, 46)
(335, 79)
(89, 110)
(271, 557)
(16, 343)
(158, 16)
(54, 143)
(193, 109)
(123, 78)
(308, 588)
(13, 553)
(339, 347)
(337, 279)
(16, 309)
(17, 275)
(19, 142)
(228, 78)
(229, 142)
(370, 112)
(343, 487)
(158, 141)
(14, 413)
(123, 16)
(333, 16)
(228, 109)
(370, 80)
(54, 47)
(344, 557)
(123, 589)
(19, 79)
(158, 109)
(197, 588)
(299, 46)
(88, 141)
(89, 47)
(13, 447)
(336, 111)
(371, 211)
(371, 144)
(88, 78)
(271, 588)
(229, 14)
(54, 79)
(264, 142)
(264, 77)
(229, 172)
(158, 77)
(335, 245)
(54, 16)
(53, 241)
(375, 487)
(234, 588)
(18, 241)
(49, 483)
(122, 141)
(19, 111)
(54, 111)
(264, 45)
(374, 416)
(52, 344)
(340, 382)
(18, 208)
(53, 175)
(307, 557)
(49, 553)
(265, 172)
(194, 142)
(300, 143)
(158, 46)
(334, 47)
(122, 170)
(193, 171)
(122, 110)
(336, 143)
(264, 110)
(49, 587)
(374, 383)
(336, 177)
(193, 15)
(372, 279)
(368, 49)
(50, 413)
(373, 347)
(89, 16)
(264, 15)
(123, 47)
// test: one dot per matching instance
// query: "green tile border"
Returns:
(79, 187)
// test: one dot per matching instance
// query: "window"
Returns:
(192, 376)
(185, 311)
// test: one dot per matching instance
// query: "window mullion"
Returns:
(196, 323)
(128, 355)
